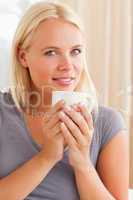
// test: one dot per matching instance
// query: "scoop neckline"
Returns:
(34, 143)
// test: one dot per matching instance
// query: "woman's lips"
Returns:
(64, 81)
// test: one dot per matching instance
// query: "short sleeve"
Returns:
(112, 123)
(1, 112)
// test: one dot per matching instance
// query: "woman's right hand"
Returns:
(53, 147)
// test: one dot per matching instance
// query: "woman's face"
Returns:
(55, 55)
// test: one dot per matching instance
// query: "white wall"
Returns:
(10, 13)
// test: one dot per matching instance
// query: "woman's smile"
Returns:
(62, 81)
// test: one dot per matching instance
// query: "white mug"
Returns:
(71, 98)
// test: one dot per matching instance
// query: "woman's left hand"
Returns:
(77, 130)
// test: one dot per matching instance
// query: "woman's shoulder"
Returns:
(109, 114)
(110, 121)
(6, 99)
(7, 106)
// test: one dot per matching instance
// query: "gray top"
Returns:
(17, 146)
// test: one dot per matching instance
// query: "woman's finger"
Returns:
(78, 119)
(67, 136)
(86, 114)
(56, 129)
(58, 106)
(73, 129)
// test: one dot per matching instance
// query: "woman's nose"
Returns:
(65, 63)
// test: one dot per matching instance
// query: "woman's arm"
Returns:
(111, 181)
(113, 169)
(23, 180)
(113, 166)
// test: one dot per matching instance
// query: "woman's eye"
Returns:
(50, 53)
(76, 51)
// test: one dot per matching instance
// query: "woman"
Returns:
(49, 54)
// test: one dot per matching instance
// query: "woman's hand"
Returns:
(53, 146)
(77, 130)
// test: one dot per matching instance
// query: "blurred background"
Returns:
(109, 33)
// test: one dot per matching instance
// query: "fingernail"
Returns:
(74, 105)
(82, 104)
(67, 108)
(61, 114)
(62, 101)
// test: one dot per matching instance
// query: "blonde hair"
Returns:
(20, 77)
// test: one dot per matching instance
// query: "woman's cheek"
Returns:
(78, 69)
(78, 63)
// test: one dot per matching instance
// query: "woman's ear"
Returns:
(22, 57)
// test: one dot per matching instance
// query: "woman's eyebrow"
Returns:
(77, 46)
(58, 48)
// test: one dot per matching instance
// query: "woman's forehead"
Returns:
(57, 31)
